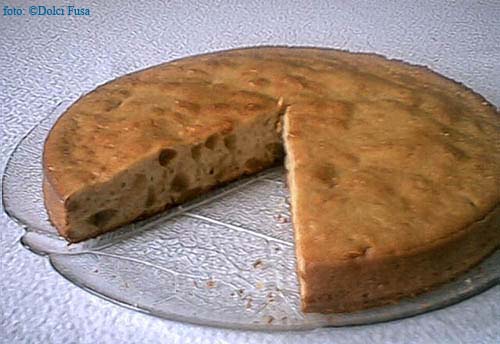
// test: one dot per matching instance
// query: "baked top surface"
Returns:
(395, 157)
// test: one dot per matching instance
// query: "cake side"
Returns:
(140, 144)
(369, 280)
(168, 176)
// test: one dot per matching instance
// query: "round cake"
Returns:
(393, 170)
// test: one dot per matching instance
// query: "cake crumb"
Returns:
(211, 284)
(281, 219)
(257, 264)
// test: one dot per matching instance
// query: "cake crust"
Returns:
(394, 170)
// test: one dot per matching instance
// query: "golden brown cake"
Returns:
(394, 170)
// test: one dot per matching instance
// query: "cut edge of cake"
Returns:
(180, 172)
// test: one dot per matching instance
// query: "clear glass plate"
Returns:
(225, 259)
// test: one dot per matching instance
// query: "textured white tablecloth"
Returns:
(44, 60)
